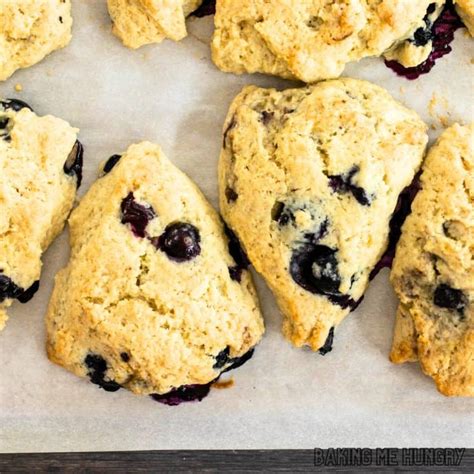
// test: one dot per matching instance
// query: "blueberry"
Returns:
(111, 162)
(222, 358)
(328, 344)
(449, 298)
(180, 242)
(186, 393)
(8, 289)
(14, 104)
(424, 35)
(137, 215)
(343, 184)
(97, 367)
(29, 293)
(315, 268)
(231, 195)
(238, 254)
(73, 165)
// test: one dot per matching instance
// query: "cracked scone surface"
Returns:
(314, 39)
(30, 30)
(465, 9)
(151, 288)
(433, 271)
(141, 22)
(309, 179)
(38, 178)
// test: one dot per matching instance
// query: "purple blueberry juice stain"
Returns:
(136, 215)
(327, 347)
(402, 211)
(442, 34)
(9, 290)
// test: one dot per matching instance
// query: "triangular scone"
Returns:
(141, 22)
(155, 296)
(433, 271)
(40, 168)
(309, 179)
(30, 30)
(465, 9)
(314, 39)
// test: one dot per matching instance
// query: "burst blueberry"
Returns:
(74, 162)
(136, 215)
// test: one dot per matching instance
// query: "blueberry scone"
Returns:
(309, 179)
(465, 9)
(141, 22)
(30, 30)
(433, 271)
(40, 169)
(314, 39)
(156, 297)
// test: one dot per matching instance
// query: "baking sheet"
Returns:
(284, 397)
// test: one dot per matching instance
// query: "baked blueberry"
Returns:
(343, 184)
(14, 104)
(231, 195)
(74, 162)
(8, 289)
(136, 215)
(186, 393)
(180, 241)
(237, 253)
(29, 293)
(328, 344)
(97, 366)
(449, 298)
(111, 162)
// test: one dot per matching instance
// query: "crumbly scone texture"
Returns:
(309, 179)
(36, 195)
(433, 271)
(141, 22)
(120, 294)
(30, 30)
(314, 39)
(465, 9)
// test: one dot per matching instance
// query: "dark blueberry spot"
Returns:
(431, 9)
(443, 31)
(328, 344)
(186, 393)
(237, 253)
(222, 358)
(277, 211)
(125, 356)
(450, 298)
(231, 125)
(343, 184)
(60, 19)
(97, 367)
(14, 104)
(180, 242)
(424, 35)
(266, 117)
(137, 215)
(73, 165)
(402, 211)
(29, 293)
(208, 7)
(8, 289)
(3, 123)
(237, 362)
(231, 195)
(111, 162)
(315, 268)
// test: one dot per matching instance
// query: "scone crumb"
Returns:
(18, 87)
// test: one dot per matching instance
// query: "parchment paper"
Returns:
(284, 397)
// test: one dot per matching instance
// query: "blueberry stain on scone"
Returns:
(317, 189)
(238, 254)
(328, 344)
(433, 270)
(147, 302)
(136, 215)
(38, 177)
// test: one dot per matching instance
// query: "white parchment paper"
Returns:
(284, 397)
